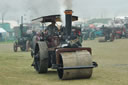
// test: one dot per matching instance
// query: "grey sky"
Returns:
(13, 9)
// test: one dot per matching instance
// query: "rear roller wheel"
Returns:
(41, 65)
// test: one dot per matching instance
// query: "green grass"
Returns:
(112, 58)
(5, 42)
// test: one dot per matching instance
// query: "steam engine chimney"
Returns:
(21, 26)
(68, 17)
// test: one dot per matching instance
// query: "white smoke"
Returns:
(68, 4)
(42, 7)
(83, 8)
(48, 7)
(64, 5)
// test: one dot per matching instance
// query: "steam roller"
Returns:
(63, 51)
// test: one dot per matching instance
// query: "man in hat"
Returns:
(52, 29)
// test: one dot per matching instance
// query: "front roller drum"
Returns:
(102, 40)
(72, 63)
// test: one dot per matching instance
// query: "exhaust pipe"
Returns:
(68, 17)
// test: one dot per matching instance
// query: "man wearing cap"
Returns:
(52, 29)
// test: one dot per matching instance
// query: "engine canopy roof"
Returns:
(51, 18)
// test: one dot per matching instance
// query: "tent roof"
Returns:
(2, 30)
(6, 27)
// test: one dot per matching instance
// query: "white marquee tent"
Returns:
(2, 30)
(4, 34)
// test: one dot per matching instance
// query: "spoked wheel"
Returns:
(15, 47)
(41, 66)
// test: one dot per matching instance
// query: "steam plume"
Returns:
(64, 5)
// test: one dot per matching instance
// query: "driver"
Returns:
(52, 29)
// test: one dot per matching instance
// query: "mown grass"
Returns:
(6, 42)
(112, 57)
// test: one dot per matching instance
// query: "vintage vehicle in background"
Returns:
(108, 34)
(23, 37)
(120, 25)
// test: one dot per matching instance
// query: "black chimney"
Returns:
(21, 26)
(68, 17)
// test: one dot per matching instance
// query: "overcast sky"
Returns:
(13, 9)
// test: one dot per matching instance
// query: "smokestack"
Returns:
(2, 19)
(68, 17)
(21, 26)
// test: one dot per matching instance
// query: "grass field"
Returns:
(112, 57)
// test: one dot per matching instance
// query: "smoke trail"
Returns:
(68, 4)
(64, 5)
(4, 8)
(34, 6)
(42, 7)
